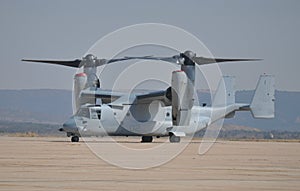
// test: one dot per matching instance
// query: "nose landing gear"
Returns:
(75, 139)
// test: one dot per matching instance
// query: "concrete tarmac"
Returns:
(51, 163)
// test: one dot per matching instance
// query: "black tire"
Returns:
(147, 139)
(174, 139)
(75, 139)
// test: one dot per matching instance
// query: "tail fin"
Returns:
(262, 105)
(225, 94)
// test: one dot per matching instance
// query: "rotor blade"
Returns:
(176, 59)
(71, 63)
(119, 59)
(100, 62)
(203, 60)
(167, 59)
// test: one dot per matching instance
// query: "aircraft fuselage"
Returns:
(105, 120)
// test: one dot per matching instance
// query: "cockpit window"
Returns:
(83, 112)
(96, 113)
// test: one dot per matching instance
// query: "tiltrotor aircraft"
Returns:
(169, 112)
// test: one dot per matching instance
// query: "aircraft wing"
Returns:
(161, 95)
(120, 98)
(107, 96)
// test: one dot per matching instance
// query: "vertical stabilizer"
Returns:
(225, 94)
(262, 105)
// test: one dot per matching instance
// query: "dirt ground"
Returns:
(51, 163)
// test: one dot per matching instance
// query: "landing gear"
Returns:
(75, 139)
(174, 139)
(147, 139)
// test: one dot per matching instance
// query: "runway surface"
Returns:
(51, 163)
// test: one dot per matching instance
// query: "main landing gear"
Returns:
(147, 139)
(174, 139)
(75, 139)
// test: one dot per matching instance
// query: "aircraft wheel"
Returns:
(75, 139)
(147, 139)
(174, 139)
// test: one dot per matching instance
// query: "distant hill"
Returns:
(55, 106)
(46, 106)
(11, 127)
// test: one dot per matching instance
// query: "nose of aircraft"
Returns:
(69, 126)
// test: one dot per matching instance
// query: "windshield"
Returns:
(96, 113)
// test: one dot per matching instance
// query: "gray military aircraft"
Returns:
(169, 112)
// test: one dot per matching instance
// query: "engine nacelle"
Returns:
(182, 98)
(80, 81)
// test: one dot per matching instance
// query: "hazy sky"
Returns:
(67, 29)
